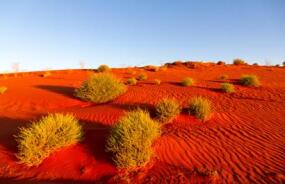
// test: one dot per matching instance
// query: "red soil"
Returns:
(243, 142)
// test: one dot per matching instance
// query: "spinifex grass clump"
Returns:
(131, 139)
(187, 82)
(41, 138)
(200, 107)
(100, 88)
(239, 62)
(132, 81)
(3, 89)
(249, 80)
(167, 109)
(103, 68)
(157, 81)
(227, 87)
(142, 77)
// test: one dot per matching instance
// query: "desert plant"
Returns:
(131, 139)
(187, 82)
(227, 87)
(200, 107)
(100, 88)
(103, 68)
(283, 63)
(132, 81)
(239, 62)
(157, 81)
(3, 89)
(167, 109)
(41, 138)
(224, 77)
(249, 80)
(46, 74)
(142, 76)
(221, 63)
(255, 64)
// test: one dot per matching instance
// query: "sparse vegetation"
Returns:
(255, 64)
(142, 77)
(249, 80)
(167, 109)
(239, 62)
(132, 81)
(221, 63)
(187, 82)
(200, 107)
(283, 63)
(41, 138)
(227, 87)
(100, 88)
(46, 74)
(3, 89)
(131, 139)
(157, 81)
(224, 77)
(103, 68)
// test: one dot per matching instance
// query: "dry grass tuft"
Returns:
(132, 81)
(227, 87)
(200, 107)
(131, 139)
(41, 138)
(239, 62)
(142, 77)
(167, 109)
(3, 89)
(187, 82)
(249, 80)
(103, 68)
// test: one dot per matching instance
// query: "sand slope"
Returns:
(244, 142)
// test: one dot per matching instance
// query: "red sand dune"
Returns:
(243, 142)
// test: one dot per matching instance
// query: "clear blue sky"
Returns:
(60, 33)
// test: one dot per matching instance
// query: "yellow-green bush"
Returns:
(239, 62)
(227, 87)
(157, 81)
(187, 82)
(131, 139)
(167, 109)
(3, 89)
(103, 68)
(100, 88)
(249, 80)
(41, 138)
(132, 81)
(200, 107)
(142, 76)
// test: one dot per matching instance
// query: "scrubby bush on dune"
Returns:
(142, 76)
(41, 138)
(249, 80)
(227, 87)
(167, 109)
(132, 81)
(221, 63)
(157, 81)
(46, 74)
(200, 107)
(3, 89)
(255, 64)
(283, 63)
(224, 77)
(131, 139)
(100, 88)
(187, 82)
(239, 62)
(103, 68)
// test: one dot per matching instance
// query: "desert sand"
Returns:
(243, 142)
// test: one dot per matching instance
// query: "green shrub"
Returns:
(157, 81)
(103, 68)
(41, 138)
(131, 139)
(249, 80)
(224, 77)
(3, 89)
(239, 62)
(187, 82)
(100, 88)
(167, 109)
(200, 107)
(227, 87)
(142, 76)
(132, 81)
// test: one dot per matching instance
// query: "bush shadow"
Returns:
(63, 90)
